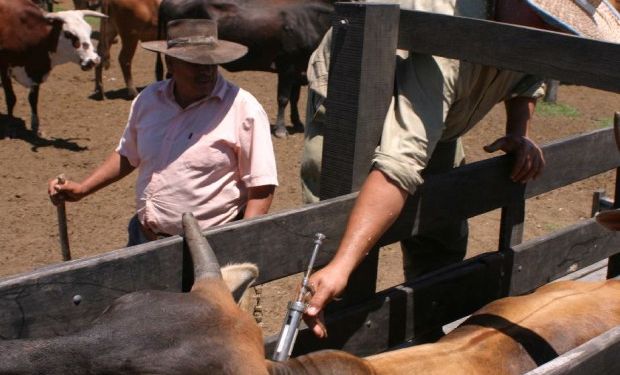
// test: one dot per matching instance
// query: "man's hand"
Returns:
(529, 160)
(326, 284)
(68, 191)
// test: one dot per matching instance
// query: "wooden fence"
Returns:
(41, 303)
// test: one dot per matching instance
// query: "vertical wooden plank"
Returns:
(510, 235)
(361, 83)
(613, 266)
(511, 224)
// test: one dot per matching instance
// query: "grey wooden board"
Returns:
(550, 257)
(361, 81)
(40, 304)
(593, 272)
(547, 54)
(485, 185)
(598, 356)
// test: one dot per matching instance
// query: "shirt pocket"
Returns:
(211, 157)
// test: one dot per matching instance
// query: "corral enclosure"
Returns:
(605, 104)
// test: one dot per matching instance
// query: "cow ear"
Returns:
(238, 277)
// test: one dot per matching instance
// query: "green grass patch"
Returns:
(93, 22)
(606, 122)
(554, 110)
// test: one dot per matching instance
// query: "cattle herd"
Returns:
(280, 36)
(204, 331)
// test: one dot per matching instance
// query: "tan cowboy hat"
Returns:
(596, 19)
(195, 41)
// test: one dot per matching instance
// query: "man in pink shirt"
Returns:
(200, 143)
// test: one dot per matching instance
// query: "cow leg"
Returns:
(298, 126)
(284, 94)
(107, 33)
(9, 94)
(124, 59)
(33, 99)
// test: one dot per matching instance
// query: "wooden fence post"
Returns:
(613, 265)
(361, 83)
(510, 235)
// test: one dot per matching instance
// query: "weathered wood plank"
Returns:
(614, 262)
(598, 356)
(548, 54)
(41, 303)
(566, 163)
(361, 82)
(547, 258)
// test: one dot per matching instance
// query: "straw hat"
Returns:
(195, 41)
(596, 19)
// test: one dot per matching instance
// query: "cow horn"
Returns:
(53, 16)
(92, 13)
(203, 257)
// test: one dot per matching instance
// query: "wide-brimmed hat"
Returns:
(596, 19)
(195, 41)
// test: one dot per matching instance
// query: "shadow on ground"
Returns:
(15, 128)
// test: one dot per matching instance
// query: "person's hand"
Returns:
(529, 160)
(326, 284)
(68, 191)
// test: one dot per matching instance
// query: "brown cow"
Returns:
(32, 42)
(204, 332)
(133, 21)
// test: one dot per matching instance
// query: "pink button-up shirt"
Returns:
(201, 158)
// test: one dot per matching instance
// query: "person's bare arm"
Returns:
(111, 170)
(376, 208)
(529, 160)
(259, 200)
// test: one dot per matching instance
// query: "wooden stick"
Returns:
(62, 225)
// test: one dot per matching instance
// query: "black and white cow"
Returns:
(32, 42)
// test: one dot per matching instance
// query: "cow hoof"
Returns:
(281, 132)
(98, 95)
(132, 93)
(298, 127)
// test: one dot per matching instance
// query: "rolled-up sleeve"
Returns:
(128, 144)
(529, 87)
(257, 163)
(414, 122)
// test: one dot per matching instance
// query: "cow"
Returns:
(205, 332)
(32, 42)
(132, 21)
(280, 36)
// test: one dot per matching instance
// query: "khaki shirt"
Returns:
(437, 99)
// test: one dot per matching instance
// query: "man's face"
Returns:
(192, 79)
(517, 12)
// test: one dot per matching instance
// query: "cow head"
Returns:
(74, 44)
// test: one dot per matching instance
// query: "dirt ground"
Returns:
(80, 132)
